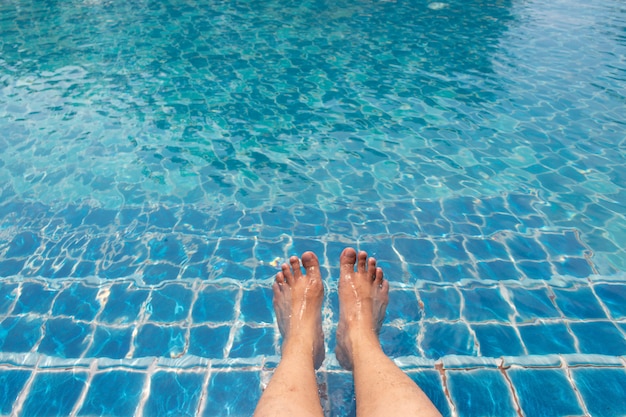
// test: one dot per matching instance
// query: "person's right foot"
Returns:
(363, 298)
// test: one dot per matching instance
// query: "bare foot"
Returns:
(363, 298)
(298, 306)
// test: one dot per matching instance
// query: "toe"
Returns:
(286, 273)
(371, 268)
(347, 260)
(280, 278)
(361, 262)
(378, 277)
(385, 287)
(311, 263)
(295, 266)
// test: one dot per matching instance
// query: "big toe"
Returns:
(310, 263)
(347, 260)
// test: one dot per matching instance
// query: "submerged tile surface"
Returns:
(481, 392)
(545, 392)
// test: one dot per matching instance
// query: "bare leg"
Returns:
(298, 298)
(381, 388)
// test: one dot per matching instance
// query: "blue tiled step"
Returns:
(562, 385)
(228, 320)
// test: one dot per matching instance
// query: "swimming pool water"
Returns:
(160, 159)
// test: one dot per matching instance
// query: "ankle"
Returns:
(364, 337)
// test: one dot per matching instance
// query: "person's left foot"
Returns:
(298, 305)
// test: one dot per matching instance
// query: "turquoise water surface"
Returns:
(160, 159)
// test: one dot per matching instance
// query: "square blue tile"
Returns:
(400, 341)
(162, 218)
(441, 302)
(544, 392)
(599, 337)
(381, 250)
(484, 304)
(278, 217)
(169, 248)
(268, 250)
(442, 339)
(170, 303)
(157, 273)
(420, 273)
(497, 270)
(78, 301)
(233, 393)
(536, 269)
(34, 298)
(309, 214)
(208, 342)
(54, 394)
(393, 272)
(113, 393)
(195, 220)
(204, 251)
(456, 272)
(251, 342)
(480, 392)
(456, 209)
(532, 304)
(256, 305)
(428, 211)
(299, 246)
(65, 338)
(439, 227)
(526, 248)
(565, 243)
(521, 204)
(602, 389)
(576, 267)
(430, 382)
(235, 250)
(23, 245)
(403, 306)
(100, 217)
(268, 272)
(174, 394)
(110, 342)
(214, 304)
(20, 334)
(451, 250)
(613, 296)
(497, 340)
(11, 267)
(547, 338)
(579, 302)
(155, 340)
(123, 304)
(415, 251)
(497, 222)
(11, 384)
(8, 294)
(486, 249)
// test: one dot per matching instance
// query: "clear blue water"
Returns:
(159, 159)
